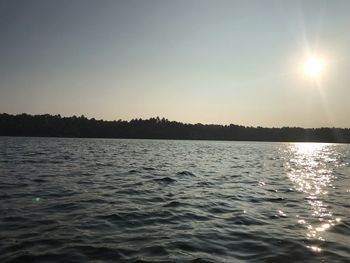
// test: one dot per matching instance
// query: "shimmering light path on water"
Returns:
(100, 200)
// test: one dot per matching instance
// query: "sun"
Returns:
(313, 67)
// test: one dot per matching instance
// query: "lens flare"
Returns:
(313, 67)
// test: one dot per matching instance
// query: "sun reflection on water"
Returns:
(309, 169)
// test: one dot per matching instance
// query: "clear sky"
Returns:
(192, 61)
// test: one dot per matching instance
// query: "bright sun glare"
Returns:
(313, 67)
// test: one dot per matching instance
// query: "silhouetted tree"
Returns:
(157, 128)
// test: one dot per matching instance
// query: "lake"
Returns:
(115, 200)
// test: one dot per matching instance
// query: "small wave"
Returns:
(342, 227)
(165, 180)
(246, 220)
(148, 168)
(201, 260)
(110, 217)
(219, 210)
(66, 207)
(98, 252)
(141, 261)
(103, 164)
(173, 204)
(13, 185)
(39, 180)
(237, 166)
(186, 173)
(275, 200)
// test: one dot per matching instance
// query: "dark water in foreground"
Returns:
(95, 200)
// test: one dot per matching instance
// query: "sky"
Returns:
(192, 61)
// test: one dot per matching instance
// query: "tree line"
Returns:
(47, 125)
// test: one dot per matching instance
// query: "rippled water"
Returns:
(101, 200)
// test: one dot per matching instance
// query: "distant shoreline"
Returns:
(155, 139)
(25, 125)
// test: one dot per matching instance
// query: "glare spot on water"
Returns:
(323, 227)
(308, 167)
(315, 249)
(261, 184)
(281, 213)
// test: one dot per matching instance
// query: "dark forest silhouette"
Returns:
(156, 128)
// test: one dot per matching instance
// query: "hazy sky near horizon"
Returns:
(186, 60)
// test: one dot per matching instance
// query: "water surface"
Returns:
(108, 200)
